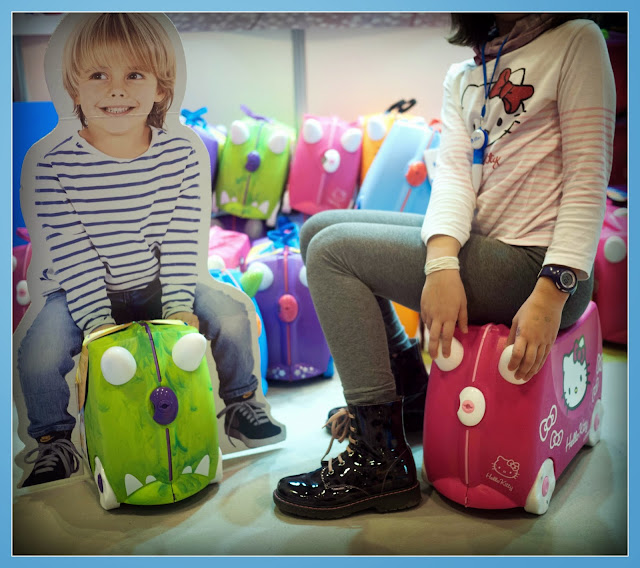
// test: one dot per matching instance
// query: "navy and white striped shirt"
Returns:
(118, 224)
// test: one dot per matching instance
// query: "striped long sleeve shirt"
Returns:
(550, 114)
(118, 224)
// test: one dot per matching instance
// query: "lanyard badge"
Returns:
(480, 136)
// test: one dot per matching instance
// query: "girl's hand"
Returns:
(443, 303)
(534, 329)
(187, 317)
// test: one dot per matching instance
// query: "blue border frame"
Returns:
(328, 6)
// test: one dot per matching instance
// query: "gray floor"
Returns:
(587, 515)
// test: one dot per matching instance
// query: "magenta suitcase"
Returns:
(231, 246)
(326, 165)
(610, 274)
(492, 442)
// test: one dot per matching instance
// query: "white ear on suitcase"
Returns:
(503, 367)
(188, 351)
(376, 128)
(351, 140)
(312, 131)
(278, 142)
(118, 365)
(239, 132)
(267, 274)
(303, 277)
(216, 262)
(615, 249)
(455, 357)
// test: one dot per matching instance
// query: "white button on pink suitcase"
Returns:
(494, 442)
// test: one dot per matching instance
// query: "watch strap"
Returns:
(563, 277)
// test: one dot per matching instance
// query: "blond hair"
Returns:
(138, 38)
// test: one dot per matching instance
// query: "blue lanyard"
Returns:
(487, 87)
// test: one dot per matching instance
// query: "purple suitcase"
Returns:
(212, 138)
(296, 344)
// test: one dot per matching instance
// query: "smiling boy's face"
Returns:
(117, 99)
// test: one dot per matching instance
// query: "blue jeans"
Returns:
(46, 353)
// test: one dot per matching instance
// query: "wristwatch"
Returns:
(563, 277)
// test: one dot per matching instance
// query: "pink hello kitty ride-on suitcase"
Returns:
(326, 163)
(494, 442)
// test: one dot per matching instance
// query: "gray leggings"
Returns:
(358, 261)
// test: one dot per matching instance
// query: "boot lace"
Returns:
(48, 456)
(341, 429)
(252, 410)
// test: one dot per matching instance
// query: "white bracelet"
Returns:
(442, 263)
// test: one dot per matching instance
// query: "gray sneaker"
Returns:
(246, 420)
(55, 458)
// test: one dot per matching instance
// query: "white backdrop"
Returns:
(349, 71)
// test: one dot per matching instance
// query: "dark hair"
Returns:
(474, 29)
(470, 29)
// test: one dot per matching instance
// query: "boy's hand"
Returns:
(187, 317)
(535, 328)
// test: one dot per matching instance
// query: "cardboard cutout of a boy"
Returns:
(117, 201)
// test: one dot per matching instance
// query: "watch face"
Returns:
(567, 279)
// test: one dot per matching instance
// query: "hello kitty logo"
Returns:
(599, 366)
(506, 468)
(338, 196)
(548, 423)
(596, 386)
(556, 439)
(575, 374)
(511, 90)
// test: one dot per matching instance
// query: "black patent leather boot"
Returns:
(411, 379)
(376, 471)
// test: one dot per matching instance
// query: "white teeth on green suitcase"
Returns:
(264, 207)
(150, 479)
(224, 198)
(132, 483)
(187, 470)
(203, 466)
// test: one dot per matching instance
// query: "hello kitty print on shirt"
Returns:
(512, 92)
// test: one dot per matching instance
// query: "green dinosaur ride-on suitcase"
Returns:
(253, 168)
(147, 413)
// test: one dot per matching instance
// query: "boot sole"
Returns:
(396, 501)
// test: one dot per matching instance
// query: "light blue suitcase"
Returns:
(400, 176)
